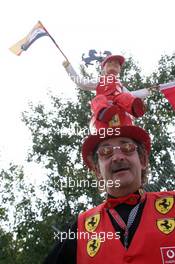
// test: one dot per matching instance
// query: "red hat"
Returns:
(119, 58)
(124, 129)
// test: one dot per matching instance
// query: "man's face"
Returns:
(125, 168)
(112, 67)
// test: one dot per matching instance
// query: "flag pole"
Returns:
(54, 42)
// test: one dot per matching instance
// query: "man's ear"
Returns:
(144, 161)
(97, 172)
(100, 179)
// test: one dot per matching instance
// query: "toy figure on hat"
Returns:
(111, 96)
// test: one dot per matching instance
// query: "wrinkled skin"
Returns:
(120, 167)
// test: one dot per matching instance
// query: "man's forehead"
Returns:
(116, 140)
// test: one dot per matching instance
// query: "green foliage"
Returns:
(6, 247)
(159, 122)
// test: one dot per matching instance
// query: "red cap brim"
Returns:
(119, 58)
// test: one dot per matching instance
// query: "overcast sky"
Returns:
(142, 29)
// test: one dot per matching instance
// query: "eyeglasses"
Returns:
(107, 151)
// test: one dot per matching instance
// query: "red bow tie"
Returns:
(130, 199)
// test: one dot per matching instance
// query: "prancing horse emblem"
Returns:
(166, 225)
(93, 57)
(92, 222)
(93, 247)
(164, 205)
(115, 121)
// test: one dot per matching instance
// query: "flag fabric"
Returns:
(37, 32)
(168, 89)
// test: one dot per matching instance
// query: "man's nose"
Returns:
(118, 154)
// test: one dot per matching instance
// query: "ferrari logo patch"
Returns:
(92, 222)
(115, 121)
(166, 226)
(164, 205)
(93, 247)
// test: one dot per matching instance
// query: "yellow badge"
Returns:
(164, 205)
(92, 222)
(93, 247)
(115, 121)
(166, 225)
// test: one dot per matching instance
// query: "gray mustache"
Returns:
(116, 166)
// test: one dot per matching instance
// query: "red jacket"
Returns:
(153, 242)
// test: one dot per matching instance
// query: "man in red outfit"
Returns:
(131, 225)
